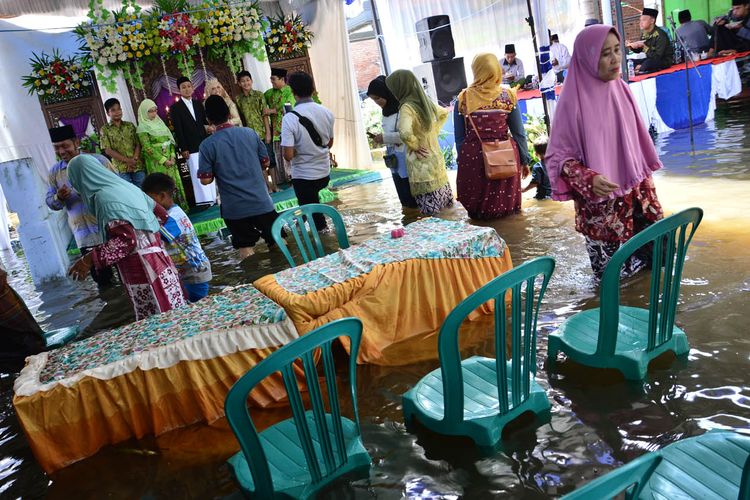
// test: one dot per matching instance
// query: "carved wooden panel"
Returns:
(70, 109)
(296, 64)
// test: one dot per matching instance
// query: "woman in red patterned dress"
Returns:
(600, 154)
(130, 220)
(492, 109)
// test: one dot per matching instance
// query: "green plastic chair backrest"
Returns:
(630, 478)
(523, 331)
(670, 238)
(332, 453)
(745, 481)
(306, 235)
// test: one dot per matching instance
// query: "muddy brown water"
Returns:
(598, 421)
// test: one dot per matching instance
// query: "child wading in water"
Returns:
(539, 177)
(180, 239)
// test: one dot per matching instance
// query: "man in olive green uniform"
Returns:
(654, 42)
(276, 97)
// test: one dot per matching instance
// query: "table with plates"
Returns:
(401, 288)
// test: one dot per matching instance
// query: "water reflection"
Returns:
(597, 422)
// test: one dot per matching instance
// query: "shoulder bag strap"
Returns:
(310, 127)
(468, 117)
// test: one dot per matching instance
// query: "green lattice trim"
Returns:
(213, 225)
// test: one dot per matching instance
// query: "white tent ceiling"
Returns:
(12, 8)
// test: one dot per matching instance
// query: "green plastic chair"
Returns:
(297, 457)
(629, 338)
(306, 235)
(478, 396)
(714, 465)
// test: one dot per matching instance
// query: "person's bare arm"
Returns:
(288, 152)
(267, 126)
(207, 180)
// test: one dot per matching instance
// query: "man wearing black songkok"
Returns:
(733, 30)
(654, 43)
(513, 73)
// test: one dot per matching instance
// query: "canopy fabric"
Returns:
(477, 26)
(334, 78)
(12, 8)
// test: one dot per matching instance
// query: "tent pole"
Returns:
(530, 20)
(379, 35)
(623, 49)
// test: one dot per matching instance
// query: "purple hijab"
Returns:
(598, 123)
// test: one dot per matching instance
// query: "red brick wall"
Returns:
(630, 18)
(365, 55)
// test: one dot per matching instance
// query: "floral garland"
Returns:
(288, 37)
(56, 79)
(172, 29)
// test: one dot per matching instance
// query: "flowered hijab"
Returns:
(155, 127)
(598, 123)
(110, 198)
(407, 89)
(487, 84)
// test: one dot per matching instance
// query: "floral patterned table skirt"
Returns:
(149, 377)
(402, 289)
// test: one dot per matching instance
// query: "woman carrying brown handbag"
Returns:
(486, 113)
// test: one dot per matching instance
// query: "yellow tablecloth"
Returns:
(402, 289)
(152, 376)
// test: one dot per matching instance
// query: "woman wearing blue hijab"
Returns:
(127, 218)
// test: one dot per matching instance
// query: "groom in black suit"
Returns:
(190, 128)
(189, 119)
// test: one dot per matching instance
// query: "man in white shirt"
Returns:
(559, 57)
(513, 73)
(306, 139)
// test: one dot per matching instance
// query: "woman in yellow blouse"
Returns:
(419, 124)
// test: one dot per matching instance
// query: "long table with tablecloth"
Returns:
(662, 96)
(401, 288)
(149, 377)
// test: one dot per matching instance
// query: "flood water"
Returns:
(598, 422)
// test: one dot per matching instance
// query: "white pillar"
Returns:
(607, 12)
(542, 35)
(44, 245)
(4, 234)
(589, 9)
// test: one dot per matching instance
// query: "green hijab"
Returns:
(110, 198)
(406, 88)
(155, 127)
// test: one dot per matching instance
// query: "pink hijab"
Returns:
(598, 123)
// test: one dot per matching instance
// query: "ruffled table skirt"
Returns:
(150, 377)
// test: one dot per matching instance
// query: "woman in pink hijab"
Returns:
(600, 154)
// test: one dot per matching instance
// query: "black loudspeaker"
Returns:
(435, 38)
(442, 80)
